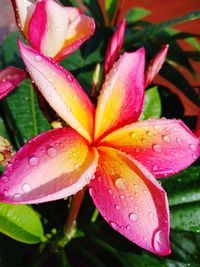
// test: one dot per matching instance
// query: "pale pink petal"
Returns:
(53, 165)
(23, 11)
(78, 32)
(61, 91)
(163, 146)
(131, 200)
(114, 46)
(9, 79)
(155, 65)
(121, 97)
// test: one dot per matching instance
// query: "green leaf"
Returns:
(152, 104)
(23, 114)
(135, 14)
(186, 217)
(21, 222)
(10, 51)
(149, 32)
(187, 187)
(95, 10)
(111, 8)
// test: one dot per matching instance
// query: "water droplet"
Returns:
(114, 225)
(159, 241)
(178, 140)
(110, 191)
(26, 188)
(155, 167)
(149, 133)
(192, 147)
(166, 138)
(150, 215)
(128, 227)
(92, 191)
(122, 196)
(37, 58)
(4, 178)
(16, 196)
(156, 148)
(69, 78)
(33, 161)
(5, 192)
(51, 152)
(133, 217)
(132, 134)
(121, 183)
(9, 167)
(117, 207)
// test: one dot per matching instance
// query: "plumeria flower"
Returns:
(107, 149)
(10, 77)
(52, 29)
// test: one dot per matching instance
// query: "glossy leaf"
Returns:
(187, 187)
(21, 223)
(136, 14)
(152, 104)
(23, 114)
(111, 8)
(151, 31)
(186, 217)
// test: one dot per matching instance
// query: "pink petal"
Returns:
(61, 91)
(163, 146)
(23, 12)
(53, 165)
(155, 65)
(121, 97)
(38, 25)
(131, 200)
(114, 46)
(9, 79)
(78, 32)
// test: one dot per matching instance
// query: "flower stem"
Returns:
(70, 225)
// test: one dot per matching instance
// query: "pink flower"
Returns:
(106, 149)
(115, 46)
(52, 29)
(9, 79)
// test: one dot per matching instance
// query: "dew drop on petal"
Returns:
(51, 152)
(69, 78)
(192, 147)
(16, 196)
(133, 217)
(4, 178)
(5, 192)
(166, 138)
(156, 148)
(155, 167)
(37, 58)
(128, 227)
(114, 225)
(121, 183)
(150, 215)
(159, 241)
(33, 161)
(110, 191)
(26, 188)
(117, 207)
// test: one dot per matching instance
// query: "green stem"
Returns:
(70, 225)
